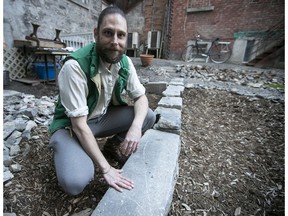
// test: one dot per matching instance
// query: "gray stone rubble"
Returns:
(23, 113)
(260, 83)
(242, 80)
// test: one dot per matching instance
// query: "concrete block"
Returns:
(171, 102)
(156, 87)
(154, 169)
(173, 91)
(170, 120)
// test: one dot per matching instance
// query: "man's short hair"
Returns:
(110, 10)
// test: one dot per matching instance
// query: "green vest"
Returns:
(88, 61)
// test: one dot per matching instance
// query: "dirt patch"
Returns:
(232, 160)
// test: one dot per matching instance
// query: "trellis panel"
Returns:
(16, 61)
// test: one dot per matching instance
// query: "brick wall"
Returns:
(227, 18)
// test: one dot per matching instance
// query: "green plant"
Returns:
(275, 85)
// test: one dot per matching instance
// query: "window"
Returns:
(199, 3)
(199, 6)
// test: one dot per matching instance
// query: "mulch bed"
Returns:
(231, 161)
(232, 156)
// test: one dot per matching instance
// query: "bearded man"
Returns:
(91, 105)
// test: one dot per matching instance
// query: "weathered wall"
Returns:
(135, 19)
(227, 18)
(147, 16)
(50, 15)
(61, 14)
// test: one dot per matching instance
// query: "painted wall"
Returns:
(135, 19)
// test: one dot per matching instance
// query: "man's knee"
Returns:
(74, 185)
(150, 120)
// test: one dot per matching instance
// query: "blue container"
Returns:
(40, 69)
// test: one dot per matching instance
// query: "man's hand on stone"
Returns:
(114, 179)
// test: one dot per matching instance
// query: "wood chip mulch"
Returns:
(232, 156)
(231, 163)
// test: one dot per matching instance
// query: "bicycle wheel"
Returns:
(220, 52)
(189, 53)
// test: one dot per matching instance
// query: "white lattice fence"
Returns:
(78, 40)
(16, 61)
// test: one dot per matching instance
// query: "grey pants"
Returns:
(74, 168)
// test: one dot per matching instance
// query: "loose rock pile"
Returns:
(253, 78)
(22, 113)
(258, 83)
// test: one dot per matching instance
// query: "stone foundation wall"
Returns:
(66, 15)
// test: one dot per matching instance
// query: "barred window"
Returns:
(199, 3)
(195, 6)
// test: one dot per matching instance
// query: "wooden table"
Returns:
(53, 53)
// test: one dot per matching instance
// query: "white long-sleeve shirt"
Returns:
(74, 89)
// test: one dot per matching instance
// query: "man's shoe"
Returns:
(112, 149)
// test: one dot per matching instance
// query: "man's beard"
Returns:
(105, 55)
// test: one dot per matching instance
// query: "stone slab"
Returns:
(7, 175)
(171, 102)
(9, 214)
(177, 81)
(173, 91)
(9, 93)
(170, 120)
(154, 169)
(156, 87)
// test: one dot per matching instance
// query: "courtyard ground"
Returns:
(231, 161)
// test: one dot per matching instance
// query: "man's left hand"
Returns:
(131, 141)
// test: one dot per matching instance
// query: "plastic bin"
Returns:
(40, 69)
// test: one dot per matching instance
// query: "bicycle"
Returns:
(219, 51)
